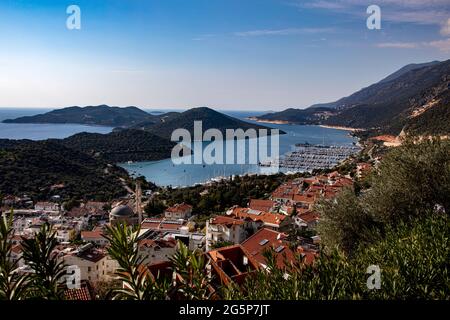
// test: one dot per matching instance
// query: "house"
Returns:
(95, 236)
(161, 224)
(94, 263)
(285, 192)
(267, 239)
(20, 224)
(267, 219)
(156, 251)
(225, 229)
(363, 169)
(64, 233)
(305, 201)
(84, 293)
(262, 205)
(16, 255)
(308, 219)
(232, 264)
(46, 206)
(9, 200)
(178, 211)
(172, 229)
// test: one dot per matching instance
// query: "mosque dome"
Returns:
(122, 211)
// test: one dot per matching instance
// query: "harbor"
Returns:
(307, 157)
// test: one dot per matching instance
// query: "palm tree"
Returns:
(138, 283)
(48, 270)
(12, 284)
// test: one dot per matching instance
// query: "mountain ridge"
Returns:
(386, 106)
(90, 115)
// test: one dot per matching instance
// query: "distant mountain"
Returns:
(185, 120)
(121, 146)
(431, 116)
(92, 115)
(299, 116)
(407, 68)
(388, 106)
(393, 104)
(45, 168)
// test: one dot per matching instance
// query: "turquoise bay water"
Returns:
(164, 172)
(33, 131)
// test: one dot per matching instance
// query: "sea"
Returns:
(165, 172)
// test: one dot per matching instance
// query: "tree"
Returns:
(412, 257)
(191, 266)
(48, 270)
(12, 284)
(412, 179)
(344, 222)
(136, 278)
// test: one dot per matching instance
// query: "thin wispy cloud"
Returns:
(412, 11)
(284, 32)
(445, 29)
(398, 45)
(203, 37)
(442, 45)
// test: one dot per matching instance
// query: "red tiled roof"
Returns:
(308, 255)
(268, 218)
(179, 208)
(91, 234)
(262, 205)
(265, 239)
(309, 216)
(83, 293)
(17, 249)
(227, 221)
(304, 199)
(161, 243)
(160, 224)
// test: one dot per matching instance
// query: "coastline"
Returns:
(320, 125)
(268, 121)
(341, 128)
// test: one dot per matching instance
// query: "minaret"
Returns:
(138, 195)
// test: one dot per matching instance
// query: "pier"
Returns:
(307, 157)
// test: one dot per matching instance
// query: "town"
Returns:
(233, 243)
(307, 157)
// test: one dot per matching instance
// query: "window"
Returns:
(89, 270)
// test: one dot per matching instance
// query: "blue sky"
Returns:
(226, 54)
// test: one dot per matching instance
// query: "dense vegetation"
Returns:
(92, 115)
(413, 260)
(41, 169)
(400, 227)
(211, 119)
(434, 121)
(387, 105)
(307, 116)
(122, 146)
(412, 181)
(48, 271)
(217, 198)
